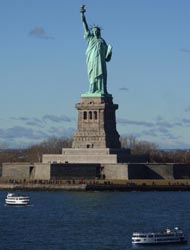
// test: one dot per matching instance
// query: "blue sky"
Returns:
(43, 70)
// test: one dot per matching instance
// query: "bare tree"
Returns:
(52, 145)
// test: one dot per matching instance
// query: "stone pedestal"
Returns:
(96, 139)
(96, 123)
(88, 155)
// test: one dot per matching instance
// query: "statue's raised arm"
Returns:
(82, 11)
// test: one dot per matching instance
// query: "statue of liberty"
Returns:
(97, 54)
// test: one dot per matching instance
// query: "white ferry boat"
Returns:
(15, 200)
(175, 236)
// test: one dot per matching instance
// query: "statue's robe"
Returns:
(97, 54)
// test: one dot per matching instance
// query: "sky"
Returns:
(43, 70)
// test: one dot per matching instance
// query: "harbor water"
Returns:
(91, 220)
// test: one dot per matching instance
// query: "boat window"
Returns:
(137, 240)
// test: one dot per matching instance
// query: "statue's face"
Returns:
(96, 32)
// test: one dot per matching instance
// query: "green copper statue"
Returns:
(97, 54)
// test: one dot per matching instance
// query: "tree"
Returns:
(52, 145)
(136, 146)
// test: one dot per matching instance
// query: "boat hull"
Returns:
(17, 204)
(160, 243)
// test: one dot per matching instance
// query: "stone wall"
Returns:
(115, 171)
(86, 156)
(16, 170)
(181, 171)
(159, 171)
(75, 171)
(150, 171)
(109, 171)
(41, 171)
(21, 171)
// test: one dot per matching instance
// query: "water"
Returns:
(91, 220)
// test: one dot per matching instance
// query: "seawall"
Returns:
(93, 187)
(42, 187)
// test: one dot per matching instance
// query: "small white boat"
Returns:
(175, 236)
(17, 200)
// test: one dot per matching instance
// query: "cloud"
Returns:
(21, 132)
(155, 132)
(39, 32)
(68, 132)
(157, 124)
(159, 118)
(21, 136)
(187, 109)
(55, 118)
(186, 121)
(34, 124)
(21, 118)
(163, 131)
(30, 121)
(158, 131)
(185, 50)
(123, 89)
(150, 132)
(123, 121)
(167, 124)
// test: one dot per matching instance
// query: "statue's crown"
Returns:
(95, 27)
